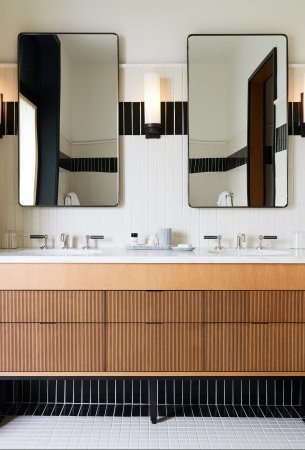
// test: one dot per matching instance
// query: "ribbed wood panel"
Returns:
(52, 306)
(165, 306)
(56, 347)
(254, 347)
(150, 347)
(254, 306)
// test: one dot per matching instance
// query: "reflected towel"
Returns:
(71, 199)
(224, 199)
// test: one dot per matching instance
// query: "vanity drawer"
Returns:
(52, 306)
(154, 347)
(52, 347)
(154, 306)
(254, 306)
(254, 347)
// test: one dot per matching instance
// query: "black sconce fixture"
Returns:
(1, 116)
(302, 116)
(152, 106)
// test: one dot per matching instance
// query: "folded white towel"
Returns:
(71, 199)
(224, 199)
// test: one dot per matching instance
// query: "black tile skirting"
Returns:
(204, 391)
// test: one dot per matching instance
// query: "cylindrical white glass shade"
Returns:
(152, 108)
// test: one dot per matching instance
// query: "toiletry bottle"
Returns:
(134, 238)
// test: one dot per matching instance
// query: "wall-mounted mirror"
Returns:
(68, 119)
(237, 120)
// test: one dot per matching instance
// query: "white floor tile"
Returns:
(26, 432)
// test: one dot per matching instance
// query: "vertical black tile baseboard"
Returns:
(206, 391)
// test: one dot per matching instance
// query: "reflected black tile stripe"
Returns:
(290, 118)
(10, 118)
(16, 118)
(127, 118)
(121, 119)
(169, 119)
(163, 119)
(281, 138)
(136, 119)
(142, 119)
(185, 117)
(296, 116)
(178, 118)
(106, 165)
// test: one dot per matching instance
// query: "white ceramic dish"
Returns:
(183, 249)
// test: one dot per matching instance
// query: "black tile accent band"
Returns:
(237, 159)
(174, 120)
(108, 165)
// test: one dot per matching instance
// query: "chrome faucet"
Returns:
(93, 237)
(260, 241)
(41, 236)
(241, 237)
(216, 237)
(64, 238)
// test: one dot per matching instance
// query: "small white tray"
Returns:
(147, 247)
(183, 249)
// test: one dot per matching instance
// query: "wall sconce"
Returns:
(1, 116)
(152, 106)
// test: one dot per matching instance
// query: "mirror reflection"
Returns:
(68, 119)
(237, 120)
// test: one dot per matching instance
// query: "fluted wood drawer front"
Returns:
(146, 306)
(254, 347)
(154, 347)
(254, 306)
(52, 347)
(52, 306)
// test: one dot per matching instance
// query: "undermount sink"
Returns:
(250, 252)
(60, 252)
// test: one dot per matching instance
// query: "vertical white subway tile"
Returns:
(153, 185)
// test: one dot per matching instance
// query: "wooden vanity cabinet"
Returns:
(152, 332)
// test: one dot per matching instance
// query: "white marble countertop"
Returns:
(123, 256)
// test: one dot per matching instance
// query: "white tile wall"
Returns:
(153, 187)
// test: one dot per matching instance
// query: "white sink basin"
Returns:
(250, 252)
(59, 252)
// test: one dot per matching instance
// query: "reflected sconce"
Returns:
(1, 116)
(152, 106)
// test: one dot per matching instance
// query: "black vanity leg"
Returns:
(153, 401)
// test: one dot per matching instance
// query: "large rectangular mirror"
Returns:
(68, 119)
(237, 86)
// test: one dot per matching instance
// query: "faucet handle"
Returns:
(92, 236)
(215, 237)
(261, 237)
(41, 236)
